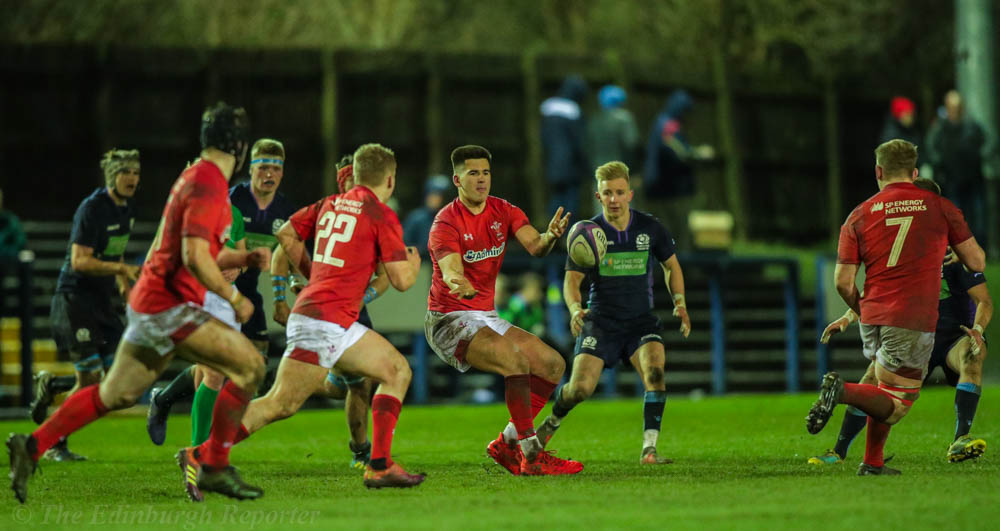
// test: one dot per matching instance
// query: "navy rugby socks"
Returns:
(966, 400)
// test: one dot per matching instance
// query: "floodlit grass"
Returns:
(740, 463)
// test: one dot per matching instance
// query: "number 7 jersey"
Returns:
(900, 234)
(353, 232)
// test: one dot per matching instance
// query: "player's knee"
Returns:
(403, 372)
(654, 376)
(249, 375)
(123, 398)
(902, 407)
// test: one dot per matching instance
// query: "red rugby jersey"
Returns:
(481, 240)
(198, 206)
(900, 235)
(353, 232)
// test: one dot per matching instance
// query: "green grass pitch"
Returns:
(740, 464)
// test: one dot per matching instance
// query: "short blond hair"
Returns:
(896, 157)
(267, 146)
(372, 164)
(610, 171)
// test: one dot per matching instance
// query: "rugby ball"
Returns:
(586, 243)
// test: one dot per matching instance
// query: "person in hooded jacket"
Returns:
(563, 144)
(669, 175)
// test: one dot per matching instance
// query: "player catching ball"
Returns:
(618, 323)
(467, 243)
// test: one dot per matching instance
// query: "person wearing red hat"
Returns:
(901, 122)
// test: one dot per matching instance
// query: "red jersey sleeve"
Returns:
(516, 217)
(958, 229)
(443, 240)
(203, 204)
(847, 247)
(390, 238)
(304, 221)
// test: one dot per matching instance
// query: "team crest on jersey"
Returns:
(589, 342)
(642, 242)
(496, 229)
(877, 206)
(82, 335)
(224, 237)
(276, 225)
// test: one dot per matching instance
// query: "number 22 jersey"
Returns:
(353, 232)
(901, 234)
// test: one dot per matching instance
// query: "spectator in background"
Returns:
(613, 134)
(12, 239)
(563, 138)
(525, 309)
(901, 122)
(954, 149)
(669, 174)
(417, 225)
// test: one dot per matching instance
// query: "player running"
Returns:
(86, 311)
(467, 243)
(352, 232)
(264, 210)
(166, 317)
(356, 391)
(900, 234)
(618, 323)
(964, 310)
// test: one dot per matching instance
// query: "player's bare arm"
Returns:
(980, 296)
(541, 244)
(231, 274)
(844, 277)
(82, 260)
(258, 258)
(295, 249)
(673, 277)
(280, 268)
(403, 273)
(378, 284)
(573, 297)
(198, 260)
(971, 254)
(453, 274)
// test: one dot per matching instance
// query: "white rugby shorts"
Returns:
(319, 342)
(221, 310)
(164, 330)
(449, 334)
(902, 351)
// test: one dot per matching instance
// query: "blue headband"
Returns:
(277, 162)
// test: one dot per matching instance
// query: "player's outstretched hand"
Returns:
(977, 343)
(463, 288)
(131, 272)
(244, 309)
(834, 328)
(576, 321)
(559, 223)
(281, 312)
(259, 258)
(682, 312)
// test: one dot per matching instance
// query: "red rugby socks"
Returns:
(385, 413)
(877, 403)
(517, 393)
(226, 423)
(878, 432)
(80, 409)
